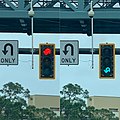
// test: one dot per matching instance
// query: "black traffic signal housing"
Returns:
(47, 61)
(107, 61)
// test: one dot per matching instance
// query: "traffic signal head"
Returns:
(107, 60)
(47, 61)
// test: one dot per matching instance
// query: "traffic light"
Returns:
(107, 60)
(47, 61)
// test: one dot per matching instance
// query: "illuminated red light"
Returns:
(47, 51)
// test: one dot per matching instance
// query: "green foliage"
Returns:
(100, 114)
(73, 92)
(72, 102)
(13, 105)
(14, 91)
(47, 114)
(12, 101)
(73, 106)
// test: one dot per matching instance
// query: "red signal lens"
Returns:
(47, 51)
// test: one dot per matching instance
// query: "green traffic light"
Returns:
(107, 61)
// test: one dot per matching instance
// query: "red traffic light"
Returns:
(47, 51)
(47, 61)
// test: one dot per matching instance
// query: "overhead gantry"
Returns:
(60, 16)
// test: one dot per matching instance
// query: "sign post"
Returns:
(69, 52)
(8, 52)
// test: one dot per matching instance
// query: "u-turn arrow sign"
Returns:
(8, 52)
(69, 52)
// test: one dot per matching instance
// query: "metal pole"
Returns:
(92, 43)
(31, 5)
(31, 14)
(32, 37)
(85, 51)
(91, 14)
(32, 43)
